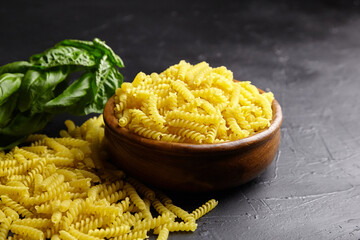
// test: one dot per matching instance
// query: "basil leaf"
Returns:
(9, 83)
(86, 45)
(15, 67)
(107, 78)
(8, 142)
(26, 94)
(6, 110)
(71, 95)
(37, 84)
(32, 92)
(24, 124)
(115, 59)
(63, 55)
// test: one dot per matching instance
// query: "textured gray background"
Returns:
(307, 53)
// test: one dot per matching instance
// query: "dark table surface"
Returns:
(307, 53)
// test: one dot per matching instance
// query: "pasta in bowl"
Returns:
(179, 136)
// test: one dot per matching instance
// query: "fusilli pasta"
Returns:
(195, 99)
(47, 195)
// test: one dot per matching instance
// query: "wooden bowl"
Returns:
(192, 167)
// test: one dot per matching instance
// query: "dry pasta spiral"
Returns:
(5, 227)
(47, 195)
(142, 234)
(184, 215)
(183, 123)
(87, 224)
(189, 96)
(144, 190)
(163, 234)
(161, 209)
(27, 231)
(34, 222)
(110, 232)
(10, 213)
(81, 236)
(179, 226)
(21, 210)
(148, 224)
(205, 208)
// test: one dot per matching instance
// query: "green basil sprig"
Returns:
(74, 76)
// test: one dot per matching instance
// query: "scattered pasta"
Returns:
(192, 104)
(59, 188)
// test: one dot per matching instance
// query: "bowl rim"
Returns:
(111, 123)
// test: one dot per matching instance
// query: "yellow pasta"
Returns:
(183, 68)
(21, 210)
(77, 153)
(189, 134)
(211, 134)
(65, 205)
(81, 184)
(145, 132)
(75, 208)
(163, 234)
(140, 77)
(8, 163)
(122, 97)
(52, 182)
(56, 217)
(11, 190)
(212, 94)
(36, 149)
(17, 170)
(125, 118)
(67, 173)
(194, 117)
(47, 195)
(58, 147)
(182, 89)
(152, 223)
(89, 174)
(20, 158)
(2, 216)
(34, 222)
(223, 71)
(64, 235)
(27, 231)
(10, 213)
(55, 237)
(194, 71)
(25, 153)
(141, 118)
(81, 236)
(110, 232)
(134, 196)
(172, 138)
(178, 226)
(168, 102)
(5, 227)
(205, 208)
(179, 212)
(141, 188)
(236, 129)
(61, 161)
(187, 96)
(133, 235)
(161, 209)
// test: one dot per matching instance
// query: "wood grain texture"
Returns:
(192, 167)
